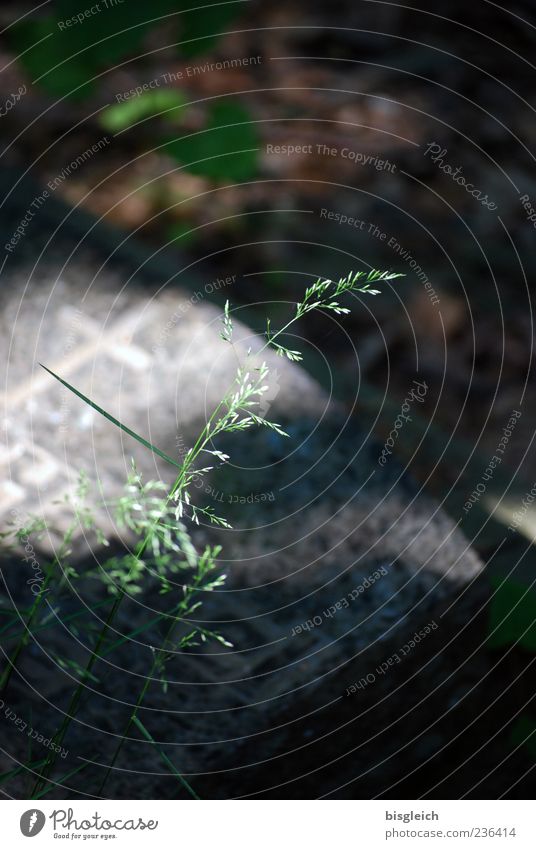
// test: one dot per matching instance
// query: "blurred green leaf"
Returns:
(100, 40)
(48, 50)
(183, 232)
(120, 116)
(225, 149)
(111, 34)
(202, 26)
(512, 616)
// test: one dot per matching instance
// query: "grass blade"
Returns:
(24, 640)
(60, 781)
(53, 622)
(14, 772)
(165, 758)
(113, 420)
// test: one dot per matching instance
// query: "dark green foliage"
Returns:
(67, 58)
(512, 615)
(201, 27)
(225, 149)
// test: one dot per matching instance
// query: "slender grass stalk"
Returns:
(9, 614)
(30, 743)
(133, 718)
(59, 783)
(157, 662)
(165, 758)
(17, 771)
(75, 700)
(47, 625)
(145, 627)
(95, 654)
(25, 636)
